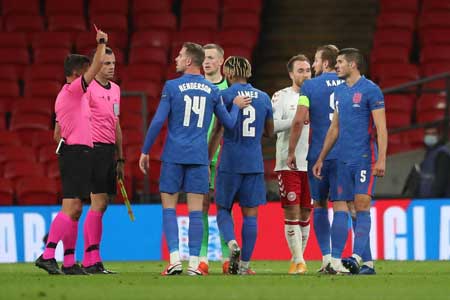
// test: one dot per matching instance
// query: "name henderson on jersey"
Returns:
(194, 86)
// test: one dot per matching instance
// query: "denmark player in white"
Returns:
(293, 184)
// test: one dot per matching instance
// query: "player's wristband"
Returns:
(102, 41)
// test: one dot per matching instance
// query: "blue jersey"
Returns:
(320, 92)
(355, 105)
(241, 149)
(188, 102)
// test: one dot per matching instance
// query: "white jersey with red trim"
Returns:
(284, 104)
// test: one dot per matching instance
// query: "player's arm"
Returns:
(279, 123)
(229, 119)
(97, 61)
(269, 129)
(119, 151)
(301, 115)
(214, 138)
(330, 140)
(379, 119)
(57, 133)
(157, 123)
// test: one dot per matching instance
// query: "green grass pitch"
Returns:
(141, 280)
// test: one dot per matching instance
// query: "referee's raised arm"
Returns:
(96, 65)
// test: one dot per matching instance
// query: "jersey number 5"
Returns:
(197, 105)
(247, 129)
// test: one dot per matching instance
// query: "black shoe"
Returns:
(98, 268)
(49, 265)
(233, 268)
(75, 269)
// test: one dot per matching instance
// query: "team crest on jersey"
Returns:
(357, 99)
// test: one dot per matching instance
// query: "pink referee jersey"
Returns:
(105, 107)
(74, 114)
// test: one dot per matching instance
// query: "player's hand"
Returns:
(291, 162)
(144, 163)
(242, 101)
(379, 168)
(120, 170)
(317, 169)
(101, 35)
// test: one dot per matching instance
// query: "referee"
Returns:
(75, 157)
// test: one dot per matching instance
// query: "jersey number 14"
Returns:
(196, 105)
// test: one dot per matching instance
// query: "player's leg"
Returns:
(289, 187)
(226, 186)
(103, 187)
(339, 227)
(195, 184)
(306, 206)
(251, 194)
(320, 192)
(169, 185)
(364, 187)
(204, 247)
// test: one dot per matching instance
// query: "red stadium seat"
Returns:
(413, 137)
(131, 105)
(238, 51)
(199, 21)
(241, 21)
(23, 7)
(197, 36)
(396, 20)
(111, 22)
(435, 37)
(389, 70)
(9, 73)
(435, 20)
(152, 39)
(400, 103)
(72, 23)
(395, 119)
(15, 57)
(435, 54)
(36, 191)
(148, 56)
(6, 192)
(145, 6)
(53, 169)
(391, 54)
(23, 23)
(430, 116)
(393, 37)
(19, 169)
(151, 72)
(86, 40)
(13, 40)
(8, 138)
(240, 38)
(251, 6)
(50, 56)
(199, 6)
(134, 123)
(431, 102)
(52, 40)
(42, 138)
(434, 69)
(132, 138)
(152, 89)
(9, 89)
(42, 88)
(411, 6)
(27, 122)
(435, 6)
(35, 106)
(165, 21)
(107, 7)
(16, 153)
(47, 154)
(57, 7)
(45, 72)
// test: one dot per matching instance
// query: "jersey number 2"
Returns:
(197, 105)
(247, 129)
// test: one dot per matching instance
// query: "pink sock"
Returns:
(69, 241)
(59, 226)
(93, 225)
(87, 254)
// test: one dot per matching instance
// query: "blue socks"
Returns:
(195, 232)
(322, 229)
(362, 231)
(367, 254)
(225, 223)
(170, 227)
(249, 232)
(339, 233)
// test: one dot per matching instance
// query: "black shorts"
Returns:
(75, 166)
(104, 169)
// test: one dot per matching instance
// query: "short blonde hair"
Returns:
(238, 66)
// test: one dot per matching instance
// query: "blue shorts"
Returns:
(327, 187)
(187, 178)
(354, 178)
(249, 189)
